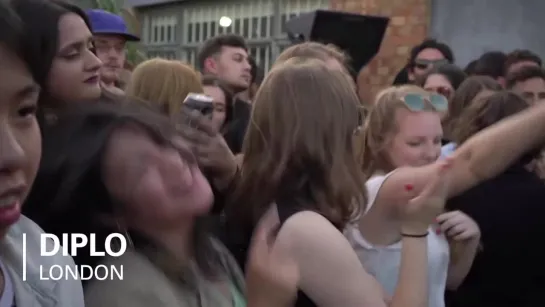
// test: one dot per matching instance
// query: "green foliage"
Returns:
(134, 54)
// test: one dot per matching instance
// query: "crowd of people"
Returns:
(291, 191)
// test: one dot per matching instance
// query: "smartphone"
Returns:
(199, 102)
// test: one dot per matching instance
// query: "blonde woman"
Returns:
(402, 119)
(164, 83)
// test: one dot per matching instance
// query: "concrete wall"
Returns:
(472, 27)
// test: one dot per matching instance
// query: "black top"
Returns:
(285, 210)
(510, 268)
(236, 237)
(236, 131)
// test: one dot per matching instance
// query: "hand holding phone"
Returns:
(199, 102)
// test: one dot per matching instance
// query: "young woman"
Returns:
(508, 208)
(307, 167)
(22, 267)
(110, 168)
(405, 124)
(461, 100)
(481, 157)
(59, 49)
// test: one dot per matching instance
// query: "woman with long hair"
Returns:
(111, 168)
(306, 166)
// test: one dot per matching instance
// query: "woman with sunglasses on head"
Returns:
(405, 125)
(400, 152)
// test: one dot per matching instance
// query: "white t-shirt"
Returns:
(8, 295)
(383, 262)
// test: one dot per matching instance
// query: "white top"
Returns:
(7, 298)
(383, 262)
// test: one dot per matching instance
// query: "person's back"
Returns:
(509, 270)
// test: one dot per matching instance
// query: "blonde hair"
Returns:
(308, 158)
(164, 83)
(380, 125)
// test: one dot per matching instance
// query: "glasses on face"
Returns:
(441, 90)
(426, 64)
(417, 102)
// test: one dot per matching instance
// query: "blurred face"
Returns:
(20, 139)
(418, 139)
(426, 60)
(220, 105)
(74, 74)
(156, 185)
(532, 89)
(439, 84)
(233, 67)
(110, 49)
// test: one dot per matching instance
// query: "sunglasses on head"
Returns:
(417, 102)
(425, 64)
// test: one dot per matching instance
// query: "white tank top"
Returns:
(383, 262)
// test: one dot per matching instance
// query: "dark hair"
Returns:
(523, 74)
(208, 80)
(491, 64)
(430, 44)
(257, 72)
(450, 71)
(464, 96)
(10, 28)
(521, 55)
(41, 26)
(470, 68)
(69, 195)
(213, 46)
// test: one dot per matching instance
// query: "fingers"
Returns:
(264, 233)
(447, 216)
(198, 121)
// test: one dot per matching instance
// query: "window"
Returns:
(162, 30)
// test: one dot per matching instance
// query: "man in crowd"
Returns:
(110, 36)
(520, 58)
(226, 57)
(424, 57)
(528, 81)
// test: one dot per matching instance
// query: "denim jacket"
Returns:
(35, 292)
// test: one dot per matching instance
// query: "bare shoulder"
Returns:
(310, 231)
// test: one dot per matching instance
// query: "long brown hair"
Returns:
(299, 143)
(485, 110)
(462, 98)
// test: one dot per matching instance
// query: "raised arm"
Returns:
(483, 156)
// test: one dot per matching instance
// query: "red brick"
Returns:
(408, 27)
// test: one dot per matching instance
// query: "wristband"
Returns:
(411, 235)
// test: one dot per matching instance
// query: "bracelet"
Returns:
(410, 235)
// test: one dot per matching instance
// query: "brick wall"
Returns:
(408, 27)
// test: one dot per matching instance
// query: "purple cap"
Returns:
(103, 22)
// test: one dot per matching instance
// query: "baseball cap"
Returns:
(103, 22)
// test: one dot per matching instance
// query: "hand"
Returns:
(458, 226)
(212, 152)
(271, 277)
(422, 210)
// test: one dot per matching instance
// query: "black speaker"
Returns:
(360, 36)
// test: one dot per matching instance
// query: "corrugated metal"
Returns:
(252, 19)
